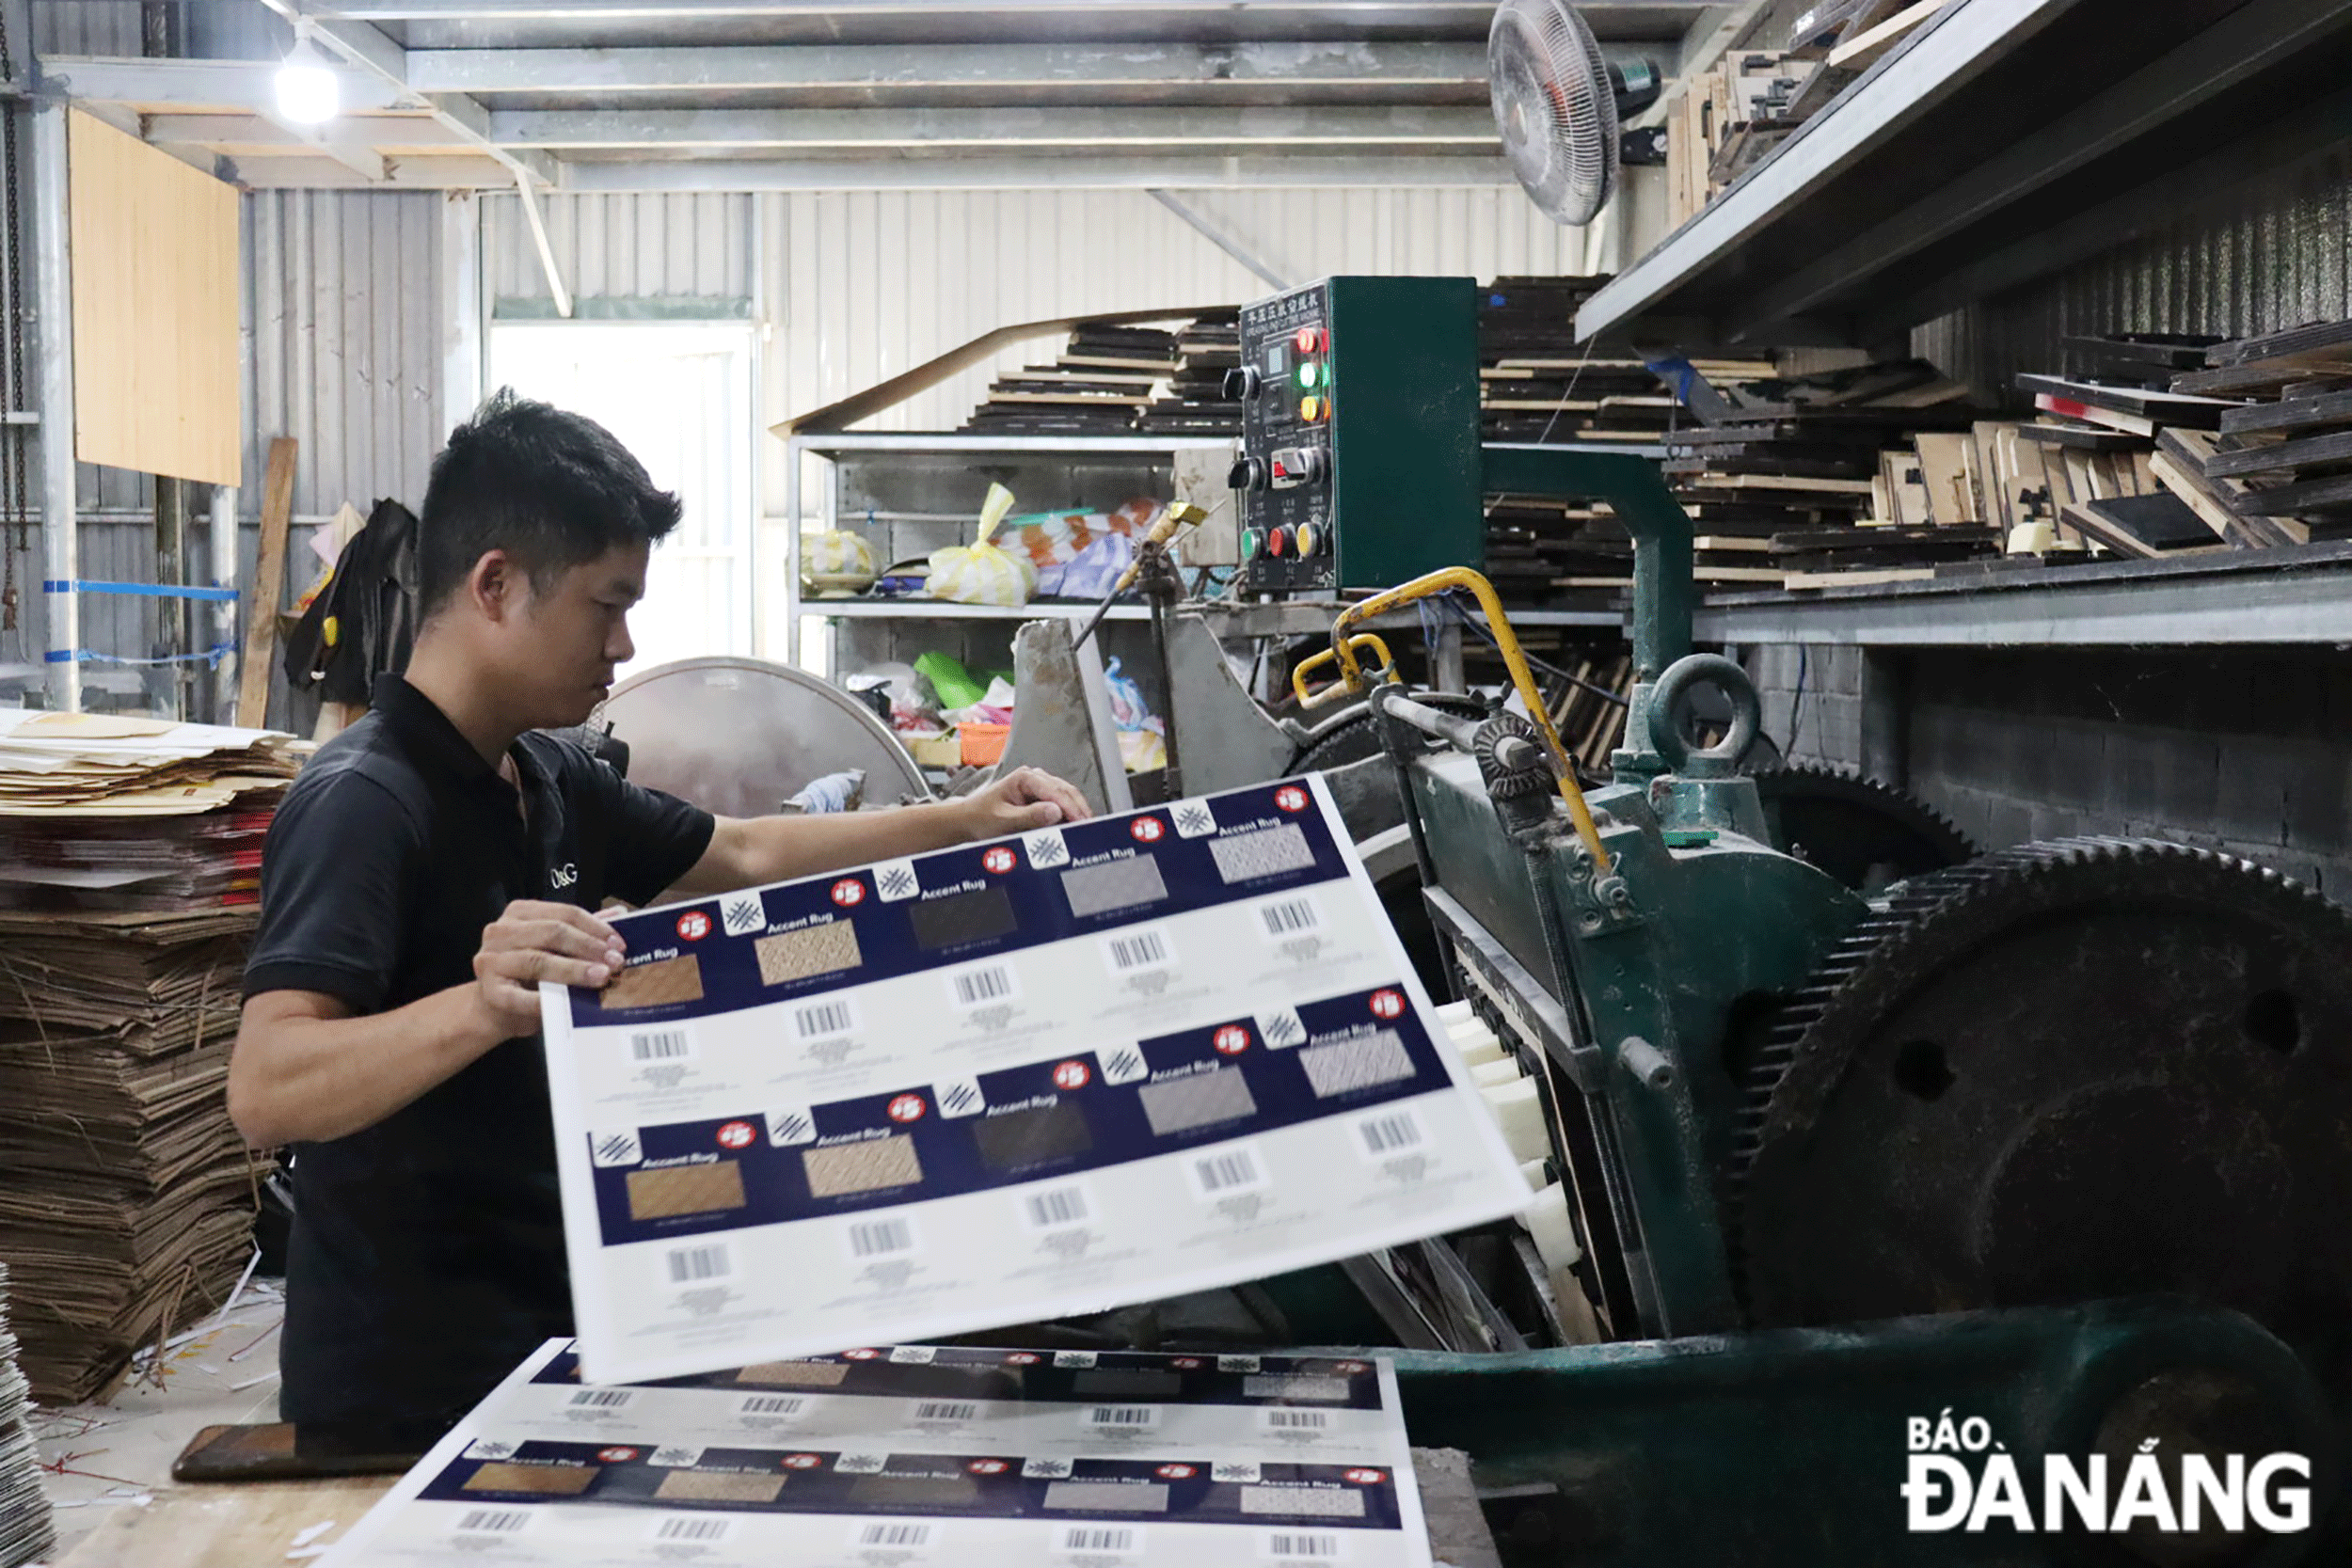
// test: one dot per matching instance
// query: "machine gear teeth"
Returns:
(1859, 831)
(2248, 958)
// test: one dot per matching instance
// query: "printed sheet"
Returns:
(1092, 1065)
(912, 1455)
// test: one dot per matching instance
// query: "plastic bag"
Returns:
(980, 573)
(1094, 574)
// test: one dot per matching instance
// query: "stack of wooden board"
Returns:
(1097, 387)
(1546, 551)
(1726, 118)
(2275, 466)
(1536, 385)
(25, 1530)
(126, 1196)
(1195, 402)
(1779, 489)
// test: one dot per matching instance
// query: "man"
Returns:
(429, 868)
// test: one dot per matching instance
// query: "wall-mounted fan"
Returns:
(1557, 102)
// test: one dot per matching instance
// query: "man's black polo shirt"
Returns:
(427, 1256)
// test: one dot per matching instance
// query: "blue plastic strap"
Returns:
(145, 590)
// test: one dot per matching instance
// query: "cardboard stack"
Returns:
(126, 1198)
(26, 1532)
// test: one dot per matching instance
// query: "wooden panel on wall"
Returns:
(155, 361)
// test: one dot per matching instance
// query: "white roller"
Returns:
(1491, 1074)
(1452, 1013)
(1547, 1221)
(1521, 1115)
(1532, 1172)
(1477, 1043)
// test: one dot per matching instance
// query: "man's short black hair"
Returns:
(552, 489)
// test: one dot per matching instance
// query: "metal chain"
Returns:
(15, 533)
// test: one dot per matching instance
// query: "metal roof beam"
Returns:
(365, 46)
(1179, 173)
(261, 130)
(226, 84)
(1005, 127)
(665, 10)
(989, 65)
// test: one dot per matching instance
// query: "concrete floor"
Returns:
(100, 1457)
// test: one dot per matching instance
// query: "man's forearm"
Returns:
(759, 849)
(304, 1079)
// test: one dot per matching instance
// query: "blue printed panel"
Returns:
(1082, 1112)
(800, 939)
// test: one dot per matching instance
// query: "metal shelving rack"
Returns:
(2000, 141)
(945, 455)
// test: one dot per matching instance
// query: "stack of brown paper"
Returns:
(25, 1533)
(129, 853)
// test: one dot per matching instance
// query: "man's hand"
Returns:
(1024, 799)
(533, 942)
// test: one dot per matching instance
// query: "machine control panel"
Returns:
(1358, 464)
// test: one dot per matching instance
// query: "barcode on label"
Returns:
(660, 1045)
(602, 1398)
(1229, 1171)
(823, 1019)
(1056, 1206)
(692, 1530)
(1094, 1538)
(975, 985)
(1288, 917)
(945, 1410)
(772, 1404)
(1387, 1134)
(894, 1535)
(1123, 1415)
(879, 1238)
(692, 1265)
(497, 1520)
(1297, 1420)
(1139, 950)
(1293, 1544)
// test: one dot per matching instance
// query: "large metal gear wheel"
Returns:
(2084, 1068)
(1863, 832)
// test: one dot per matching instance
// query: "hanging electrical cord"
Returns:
(1451, 602)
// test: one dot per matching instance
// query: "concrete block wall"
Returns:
(2245, 750)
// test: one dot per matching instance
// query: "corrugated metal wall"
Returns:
(341, 324)
(856, 287)
(106, 27)
(683, 251)
(344, 322)
(863, 285)
(2276, 256)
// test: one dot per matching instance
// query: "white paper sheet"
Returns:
(1095, 1065)
(916, 1455)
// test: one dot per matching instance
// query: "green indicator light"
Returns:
(1310, 374)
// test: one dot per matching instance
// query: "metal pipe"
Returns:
(546, 252)
(1451, 728)
(1216, 237)
(224, 574)
(53, 308)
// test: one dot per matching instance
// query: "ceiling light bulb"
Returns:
(308, 93)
